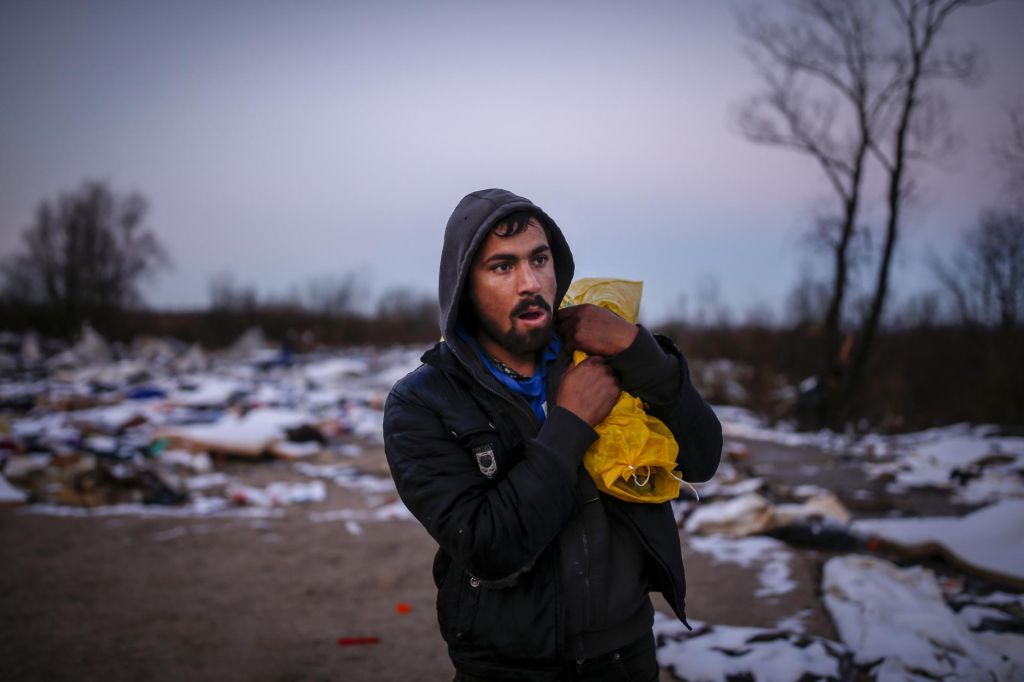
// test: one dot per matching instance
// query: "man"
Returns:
(539, 576)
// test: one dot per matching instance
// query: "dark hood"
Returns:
(469, 225)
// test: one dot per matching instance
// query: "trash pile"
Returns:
(134, 429)
(895, 620)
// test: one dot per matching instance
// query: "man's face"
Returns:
(512, 287)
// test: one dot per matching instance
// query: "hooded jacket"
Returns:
(496, 488)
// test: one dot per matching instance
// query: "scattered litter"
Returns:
(357, 641)
(353, 528)
(403, 608)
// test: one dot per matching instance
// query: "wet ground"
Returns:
(843, 474)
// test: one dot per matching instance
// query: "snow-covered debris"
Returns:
(723, 379)
(250, 344)
(9, 495)
(199, 506)
(333, 370)
(738, 422)
(194, 360)
(91, 347)
(771, 555)
(740, 516)
(199, 462)
(366, 423)
(989, 541)
(294, 451)
(22, 466)
(111, 418)
(752, 514)
(346, 476)
(277, 494)
(205, 482)
(822, 507)
(30, 352)
(896, 619)
(717, 653)
(209, 391)
(248, 434)
(392, 511)
(977, 465)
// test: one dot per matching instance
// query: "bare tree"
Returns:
(1009, 152)
(846, 85)
(986, 277)
(226, 296)
(85, 255)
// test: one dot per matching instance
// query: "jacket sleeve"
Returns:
(654, 370)
(495, 528)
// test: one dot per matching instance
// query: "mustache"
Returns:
(528, 303)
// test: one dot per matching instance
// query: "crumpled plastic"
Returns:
(634, 457)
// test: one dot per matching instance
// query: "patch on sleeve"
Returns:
(485, 460)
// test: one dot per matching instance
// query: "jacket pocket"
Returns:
(482, 442)
(457, 604)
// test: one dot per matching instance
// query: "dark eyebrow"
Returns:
(504, 257)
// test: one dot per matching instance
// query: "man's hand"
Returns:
(589, 390)
(594, 330)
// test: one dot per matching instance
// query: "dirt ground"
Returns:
(140, 598)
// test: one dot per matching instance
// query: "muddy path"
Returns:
(130, 598)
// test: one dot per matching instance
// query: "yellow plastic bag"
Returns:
(634, 458)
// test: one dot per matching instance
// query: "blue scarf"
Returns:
(533, 389)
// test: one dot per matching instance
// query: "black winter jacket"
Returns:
(495, 488)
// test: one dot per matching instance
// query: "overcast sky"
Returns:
(283, 141)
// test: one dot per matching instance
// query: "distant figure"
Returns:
(539, 576)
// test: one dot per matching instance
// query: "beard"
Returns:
(519, 343)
